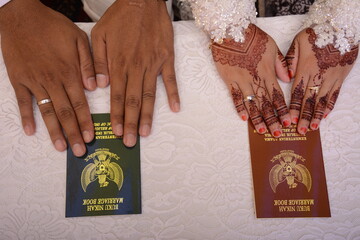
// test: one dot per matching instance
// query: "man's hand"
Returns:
(48, 57)
(132, 45)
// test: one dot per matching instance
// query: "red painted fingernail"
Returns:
(243, 117)
(325, 115)
(286, 123)
(262, 130)
(295, 120)
(303, 130)
(314, 125)
(277, 133)
(291, 73)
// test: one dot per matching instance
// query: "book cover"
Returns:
(106, 180)
(288, 175)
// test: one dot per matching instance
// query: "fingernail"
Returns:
(118, 130)
(262, 130)
(145, 130)
(28, 130)
(244, 117)
(176, 107)
(87, 136)
(303, 130)
(291, 74)
(295, 120)
(286, 123)
(277, 133)
(129, 140)
(325, 115)
(314, 126)
(91, 84)
(102, 80)
(60, 145)
(78, 149)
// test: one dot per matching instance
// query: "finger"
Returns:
(333, 96)
(169, 78)
(66, 116)
(307, 112)
(297, 96)
(148, 101)
(50, 119)
(86, 63)
(100, 59)
(281, 68)
(269, 116)
(133, 104)
(292, 57)
(24, 101)
(238, 100)
(81, 108)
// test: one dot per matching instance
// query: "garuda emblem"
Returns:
(290, 170)
(103, 169)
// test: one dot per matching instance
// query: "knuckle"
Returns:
(137, 62)
(117, 99)
(170, 78)
(133, 102)
(79, 105)
(47, 111)
(65, 113)
(132, 126)
(148, 95)
(23, 101)
(164, 53)
(119, 62)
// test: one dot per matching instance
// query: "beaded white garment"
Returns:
(224, 18)
(335, 22)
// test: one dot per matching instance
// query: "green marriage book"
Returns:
(106, 180)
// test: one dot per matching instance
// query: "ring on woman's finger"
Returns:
(249, 98)
(44, 101)
(314, 88)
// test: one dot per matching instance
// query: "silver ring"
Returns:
(249, 98)
(44, 101)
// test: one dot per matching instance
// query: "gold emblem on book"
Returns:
(290, 170)
(104, 169)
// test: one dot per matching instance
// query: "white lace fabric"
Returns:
(224, 18)
(335, 22)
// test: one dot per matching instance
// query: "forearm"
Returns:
(224, 18)
(335, 22)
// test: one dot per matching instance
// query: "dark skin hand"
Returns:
(48, 57)
(132, 44)
(319, 74)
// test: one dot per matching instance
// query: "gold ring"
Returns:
(249, 98)
(315, 88)
(44, 101)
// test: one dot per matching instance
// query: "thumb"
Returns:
(292, 58)
(281, 68)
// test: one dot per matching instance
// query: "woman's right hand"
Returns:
(249, 70)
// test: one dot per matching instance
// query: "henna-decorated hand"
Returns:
(250, 69)
(46, 55)
(132, 44)
(319, 74)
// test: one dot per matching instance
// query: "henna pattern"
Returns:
(309, 108)
(321, 106)
(255, 114)
(333, 99)
(329, 56)
(297, 96)
(279, 102)
(268, 112)
(290, 54)
(282, 59)
(237, 99)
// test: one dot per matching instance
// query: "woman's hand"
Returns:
(319, 74)
(249, 70)
(133, 43)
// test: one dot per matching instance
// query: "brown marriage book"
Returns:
(288, 175)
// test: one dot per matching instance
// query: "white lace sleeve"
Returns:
(335, 22)
(224, 18)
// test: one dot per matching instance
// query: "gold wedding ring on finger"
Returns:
(314, 88)
(249, 98)
(44, 101)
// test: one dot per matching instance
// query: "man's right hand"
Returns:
(47, 56)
